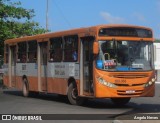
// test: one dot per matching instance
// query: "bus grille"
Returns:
(128, 75)
(126, 85)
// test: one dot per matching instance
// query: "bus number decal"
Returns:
(71, 69)
(120, 81)
(65, 70)
(59, 70)
(23, 67)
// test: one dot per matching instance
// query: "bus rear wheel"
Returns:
(120, 101)
(73, 97)
(25, 88)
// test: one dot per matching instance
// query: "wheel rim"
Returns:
(24, 89)
(74, 93)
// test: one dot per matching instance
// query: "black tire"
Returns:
(120, 101)
(25, 88)
(33, 94)
(61, 96)
(73, 97)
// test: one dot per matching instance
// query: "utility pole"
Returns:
(47, 16)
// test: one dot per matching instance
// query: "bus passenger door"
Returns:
(86, 64)
(13, 66)
(43, 59)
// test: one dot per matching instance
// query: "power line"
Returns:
(67, 21)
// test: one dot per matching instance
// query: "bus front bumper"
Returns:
(107, 92)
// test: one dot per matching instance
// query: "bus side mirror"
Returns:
(95, 48)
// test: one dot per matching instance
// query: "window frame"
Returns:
(19, 59)
(34, 51)
(54, 50)
(73, 50)
(6, 54)
(63, 49)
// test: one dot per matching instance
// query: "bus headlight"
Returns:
(153, 79)
(103, 82)
(149, 83)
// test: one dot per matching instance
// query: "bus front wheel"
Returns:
(25, 88)
(73, 97)
(120, 101)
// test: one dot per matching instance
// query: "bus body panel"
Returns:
(6, 80)
(53, 77)
(103, 92)
(57, 85)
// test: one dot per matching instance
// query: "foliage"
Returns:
(157, 40)
(16, 21)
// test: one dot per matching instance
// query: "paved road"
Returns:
(12, 102)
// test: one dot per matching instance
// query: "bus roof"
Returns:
(70, 32)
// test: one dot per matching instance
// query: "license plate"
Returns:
(130, 91)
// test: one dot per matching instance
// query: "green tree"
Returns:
(157, 40)
(16, 21)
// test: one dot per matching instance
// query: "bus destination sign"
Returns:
(126, 32)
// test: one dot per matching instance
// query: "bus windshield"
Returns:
(125, 56)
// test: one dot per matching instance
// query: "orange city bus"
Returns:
(104, 61)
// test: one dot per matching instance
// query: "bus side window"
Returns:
(71, 48)
(22, 52)
(52, 55)
(56, 49)
(32, 51)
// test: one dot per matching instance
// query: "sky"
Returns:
(69, 14)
